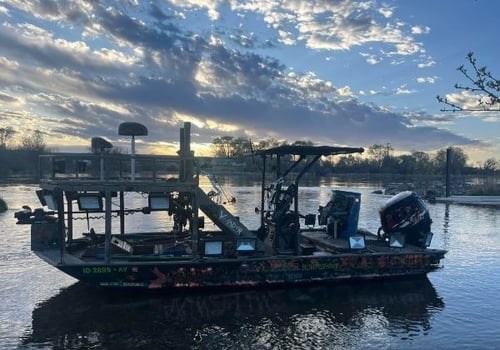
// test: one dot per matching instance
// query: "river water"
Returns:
(454, 307)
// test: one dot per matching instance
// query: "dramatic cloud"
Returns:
(78, 69)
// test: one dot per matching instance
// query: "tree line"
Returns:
(378, 158)
(29, 142)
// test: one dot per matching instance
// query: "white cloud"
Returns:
(210, 5)
(470, 101)
(337, 25)
(420, 30)
(427, 64)
(387, 12)
(4, 10)
(430, 80)
(345, 91)
(370, 58)
(403, 90)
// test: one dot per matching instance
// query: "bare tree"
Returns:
(481, 83)
(380, 152)
(5, 136)
(33, 142)
(490, 165)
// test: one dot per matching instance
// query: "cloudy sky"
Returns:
(342, 72)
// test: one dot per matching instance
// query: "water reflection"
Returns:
(446, 226)
(360, 315)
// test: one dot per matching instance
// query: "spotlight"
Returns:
(159, 201)
(357, 242)
(90, 201)
(245, 245)
(212, 248)
(397, 240)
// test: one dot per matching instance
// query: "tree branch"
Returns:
(482, 82)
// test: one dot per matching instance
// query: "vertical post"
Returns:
(448, 169)
(188, 153)
(185, 153)
(107, 227)
(194, 229)
(181, 155)
(132, 129)
(102, 165)
(69, 206)
(58, 197)
(132, 160)
(122, 214)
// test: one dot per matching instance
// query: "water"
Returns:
(455, 307)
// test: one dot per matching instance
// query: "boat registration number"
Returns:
(103, 269)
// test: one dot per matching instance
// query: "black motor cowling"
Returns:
(406, 213)
(26, 216)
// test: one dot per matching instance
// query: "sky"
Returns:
(350, 73)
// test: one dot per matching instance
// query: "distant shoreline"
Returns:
(477, 185)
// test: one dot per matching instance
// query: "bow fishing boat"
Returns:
(81, 226)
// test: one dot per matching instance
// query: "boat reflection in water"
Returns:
(343, 315)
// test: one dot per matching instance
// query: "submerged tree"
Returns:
(481, 84)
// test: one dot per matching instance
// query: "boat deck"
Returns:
(145, 249)
(327, 243)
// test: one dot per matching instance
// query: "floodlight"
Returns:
(159, 201)
(357, 242)
(90, 201)
(244, 245)
(50, 201)
(428, 239)
(397, 240)
(213, 248)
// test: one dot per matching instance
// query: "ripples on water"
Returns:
(311, 317)
(454, 308)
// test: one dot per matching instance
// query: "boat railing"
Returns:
(107, 167)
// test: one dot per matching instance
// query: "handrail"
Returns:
(87, 166)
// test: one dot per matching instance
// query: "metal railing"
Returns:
(107, 167)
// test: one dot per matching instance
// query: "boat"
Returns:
(288, 248)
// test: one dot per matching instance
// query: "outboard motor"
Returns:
(407, 214)
(45, 229)
(23, 216)
(26, 216)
